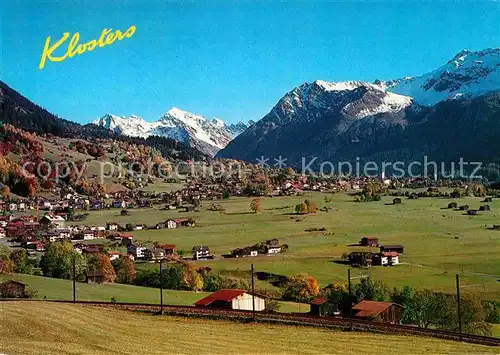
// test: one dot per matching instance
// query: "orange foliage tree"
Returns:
(302, 288)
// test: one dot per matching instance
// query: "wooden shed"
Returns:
(388, 248)
(387, 312)
(322, 307)
(12, 289)
(369, 241)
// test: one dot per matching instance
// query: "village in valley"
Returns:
(301, 233)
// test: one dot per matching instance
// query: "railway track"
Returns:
(291, 319)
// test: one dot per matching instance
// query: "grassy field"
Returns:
(75, 329)
(438, 242)
(57, 289)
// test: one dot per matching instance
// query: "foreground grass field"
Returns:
(42, 328)
(438, 242)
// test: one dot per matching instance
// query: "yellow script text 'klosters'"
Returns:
(107, 37)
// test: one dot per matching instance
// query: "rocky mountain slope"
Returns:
(209, 136)
(451, 112)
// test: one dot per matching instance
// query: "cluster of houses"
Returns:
(388, 255)
(269, 247)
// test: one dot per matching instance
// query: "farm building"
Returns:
(52, 220)
(452, 205)
(396, 201)
(12, 289)
(359, 258)
(397, 248)
(232, 299)
(273, 246)
(387, 312)
(322, 307)
(94, 277)
(386, 258)
(201, 252)
(369, 241)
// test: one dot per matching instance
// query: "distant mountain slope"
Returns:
(19, 111)
(449, 113)
(209, 136)
(468, 73)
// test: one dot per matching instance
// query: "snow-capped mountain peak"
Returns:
(468, 74)
(207, 135)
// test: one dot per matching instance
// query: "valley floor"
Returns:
(42, 328)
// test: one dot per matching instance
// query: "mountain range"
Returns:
(19, 111)
(449, 113)
(208, 136)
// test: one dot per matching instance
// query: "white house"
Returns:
(53, 220)
(233, 299)
(113, 226)
(88, 234)
(136, 250)
(389, 258)
(201, 252)
(113, 255)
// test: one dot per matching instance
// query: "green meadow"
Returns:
(439, 242)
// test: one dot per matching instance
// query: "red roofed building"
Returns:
(387, 312)
(232, 299)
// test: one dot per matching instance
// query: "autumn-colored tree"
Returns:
(311, 206)
(102, 265)
(125, 270)
(256, 205)
(302, 288)
(301, 208)
(192, 279)
(5, 191)
(290, 171)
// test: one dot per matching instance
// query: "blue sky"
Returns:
(232, 60)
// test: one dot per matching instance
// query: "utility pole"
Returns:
(161, 288)
(253, 296)
(458, 307)
(74, 279)
(350, 297)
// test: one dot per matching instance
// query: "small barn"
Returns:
(386, 312)
(485, 208)
(322, 307)
(12, 289)
(369, 241)
(95, 277)
(388, 248)
(396, 201)
(232, 299)
(452, 205)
